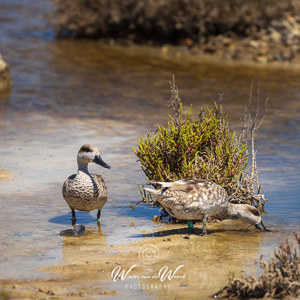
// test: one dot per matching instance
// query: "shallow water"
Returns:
(67, 93)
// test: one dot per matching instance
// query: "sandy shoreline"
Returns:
(88, 263)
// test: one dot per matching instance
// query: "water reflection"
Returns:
(65, 219)
(94, 240)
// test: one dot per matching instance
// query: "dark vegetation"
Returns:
(167, 21)
(202, 146)
(281, 276)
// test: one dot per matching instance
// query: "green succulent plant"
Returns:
(201, 147)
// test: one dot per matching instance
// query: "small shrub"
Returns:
(198, 146)
(281, 276)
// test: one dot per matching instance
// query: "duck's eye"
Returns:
(84, 149)
(256, 213)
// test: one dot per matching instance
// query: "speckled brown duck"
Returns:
(197, 199)
(85, 191)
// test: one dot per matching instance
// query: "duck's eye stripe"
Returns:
(85, 149)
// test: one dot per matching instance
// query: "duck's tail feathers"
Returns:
(170, 184)
(152, 191)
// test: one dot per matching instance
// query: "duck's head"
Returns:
(89, 153)
(249, 214)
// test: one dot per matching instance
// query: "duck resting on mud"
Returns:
(197, 199)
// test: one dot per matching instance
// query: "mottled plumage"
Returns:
(197, 199)
(85, 191)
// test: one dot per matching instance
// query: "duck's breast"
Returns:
(85, 191)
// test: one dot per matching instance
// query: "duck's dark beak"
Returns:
(99, 161)
(261, 226)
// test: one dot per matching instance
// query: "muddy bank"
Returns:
(5, 79)
(278, 42)
(259, 31)
(92, 268)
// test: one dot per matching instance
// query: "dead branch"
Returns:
(174, 101)
(252, 122)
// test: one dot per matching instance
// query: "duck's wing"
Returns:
(183, 185)
(99, 179)
(100, 188)
(195, 190)
(66, 184)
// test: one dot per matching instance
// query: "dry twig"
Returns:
(251, 123)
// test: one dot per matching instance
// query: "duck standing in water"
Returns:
(197, 199)
(85, 191)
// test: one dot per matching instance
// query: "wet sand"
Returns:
(206, 263)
